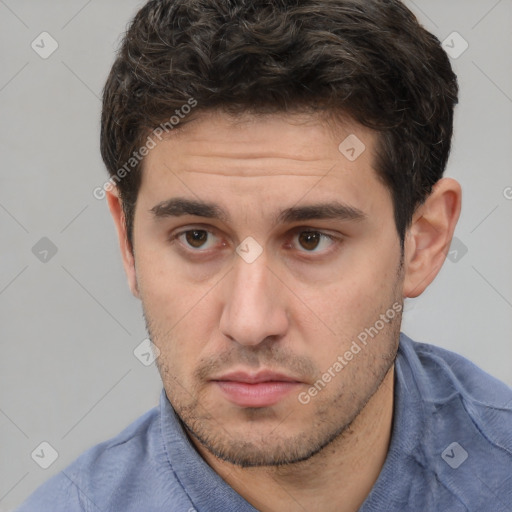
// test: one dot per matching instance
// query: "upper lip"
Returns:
(256, 378)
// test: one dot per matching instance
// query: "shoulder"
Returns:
(58, 494)
(440, 373)
(466, 421)
(114, 473)
(451, 443)
(131, 446)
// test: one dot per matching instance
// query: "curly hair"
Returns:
(368, 60)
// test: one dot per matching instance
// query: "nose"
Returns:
(253, 309)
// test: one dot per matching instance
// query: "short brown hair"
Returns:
(369, 60)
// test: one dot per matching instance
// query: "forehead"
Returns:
(267, 159)
(297, 136)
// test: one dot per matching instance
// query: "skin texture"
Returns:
(294, 309)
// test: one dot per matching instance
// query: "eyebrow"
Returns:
(333, 210)
(178, 207)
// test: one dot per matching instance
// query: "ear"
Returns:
(429, 237)
(116, 209)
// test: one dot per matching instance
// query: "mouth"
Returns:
(262, 389)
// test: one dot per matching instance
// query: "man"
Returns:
(276, 183)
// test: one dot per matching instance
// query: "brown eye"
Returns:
(314, 242)
(309, 240)
(196, 238)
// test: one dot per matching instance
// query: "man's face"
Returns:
(244, 335)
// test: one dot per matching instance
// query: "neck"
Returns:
(337, 479)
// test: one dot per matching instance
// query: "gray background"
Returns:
(68, 374)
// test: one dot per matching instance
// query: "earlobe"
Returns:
(116, 209)
(429, 237)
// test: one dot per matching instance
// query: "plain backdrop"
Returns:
(69, 326)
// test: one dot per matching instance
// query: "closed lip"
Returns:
(255, 378)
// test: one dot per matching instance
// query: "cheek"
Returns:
(334, 315)
(356, 291)
(181, 315)
(165, 288)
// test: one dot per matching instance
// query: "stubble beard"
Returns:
(329, 421)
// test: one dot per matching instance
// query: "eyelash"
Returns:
(297, 231)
